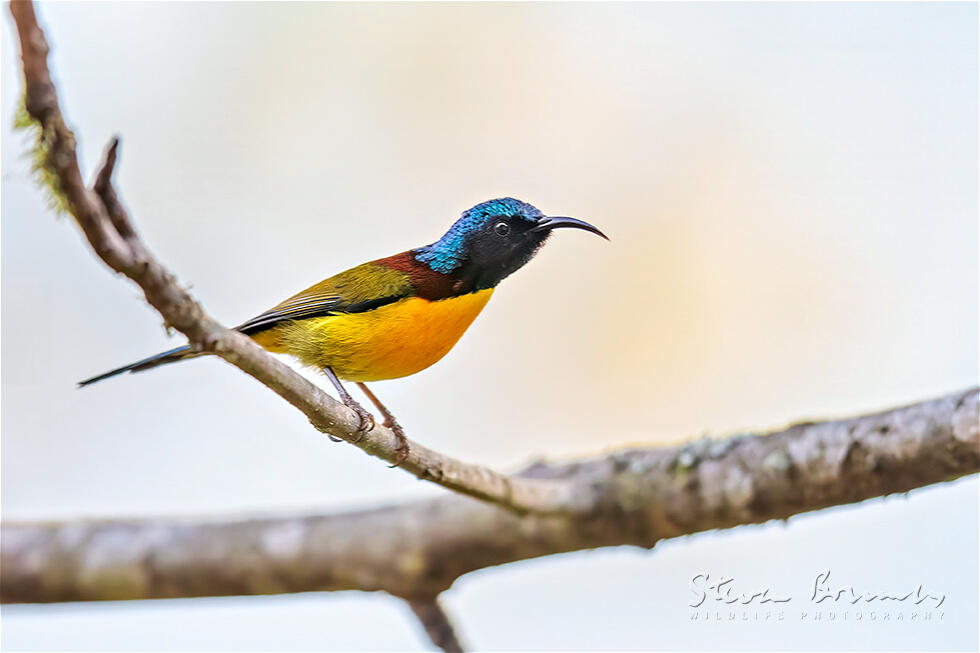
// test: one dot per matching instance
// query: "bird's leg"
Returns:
(367, 420)
(390, 422)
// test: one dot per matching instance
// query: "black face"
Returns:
(500, 248)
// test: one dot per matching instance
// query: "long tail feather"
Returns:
(172, 356)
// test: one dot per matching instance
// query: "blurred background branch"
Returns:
(639, 497)
(437, 624)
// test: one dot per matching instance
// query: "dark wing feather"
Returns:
(359, 289)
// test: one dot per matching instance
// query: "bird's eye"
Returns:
(501, 228)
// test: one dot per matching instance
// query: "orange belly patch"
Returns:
(386, 343)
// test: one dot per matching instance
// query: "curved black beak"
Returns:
(559, 222)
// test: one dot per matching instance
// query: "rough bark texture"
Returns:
(417, 550)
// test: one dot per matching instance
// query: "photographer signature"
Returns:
(723, 590)
(822, 591)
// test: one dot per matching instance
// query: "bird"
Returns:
(396, 316)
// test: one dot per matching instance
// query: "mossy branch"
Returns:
(41, 156)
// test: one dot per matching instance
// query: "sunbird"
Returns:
(396, 316)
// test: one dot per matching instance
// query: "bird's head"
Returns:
(494, 239)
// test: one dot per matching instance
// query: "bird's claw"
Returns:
(366, 421)
(401, 451)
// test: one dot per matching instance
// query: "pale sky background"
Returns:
(791, 192)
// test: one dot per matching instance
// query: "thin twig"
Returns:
(107, 193)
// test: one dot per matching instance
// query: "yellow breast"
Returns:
(386, 343)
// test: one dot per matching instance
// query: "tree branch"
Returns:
(634, 497)
(109, 231)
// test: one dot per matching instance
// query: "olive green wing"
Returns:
(362, 288)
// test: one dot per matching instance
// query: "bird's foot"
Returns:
(366, 418)
(401, 451)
